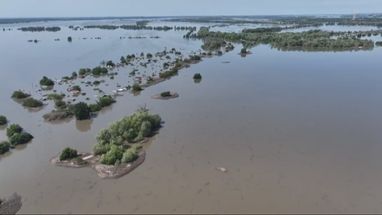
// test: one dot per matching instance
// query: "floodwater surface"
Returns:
(298, 132)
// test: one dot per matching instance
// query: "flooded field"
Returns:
(297, 132)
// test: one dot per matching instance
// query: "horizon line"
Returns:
(162, 16)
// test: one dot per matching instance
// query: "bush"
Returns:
(112, 156)
(166, 94)
(20, 138)
(55, 96)
(3, 120)
(45, 81)
(84, 71)
(137, 88)
(97, 71)
(68, 154)
(130, 155)
(379, 43)
(4, 147)
(169, 73)
(20, 95)
(32, 103)
(110, 63)
(95, 107)
(105, 101)
(100, 149)
(197, 76)
(81, 111)
(131, 129)
(59, 104)
(13, 129)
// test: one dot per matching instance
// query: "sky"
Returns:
(91, 8)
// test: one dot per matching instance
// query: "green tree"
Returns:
(197, 76)
(32, 103)
(105, 101)
(112, 156)
(13, 129)
(137, 88)
(18, 94)
(3, 120)
(68, 154)
(130, 155)
(4, 147)
(20, 138)
(45, 81)
(81, 111)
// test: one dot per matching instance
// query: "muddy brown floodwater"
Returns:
(297, 132)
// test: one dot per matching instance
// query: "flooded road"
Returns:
(298, 132)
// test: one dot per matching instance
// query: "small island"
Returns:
(16, 136)
(119, 149)
(166, 95)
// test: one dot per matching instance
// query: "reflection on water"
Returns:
(298, 132)
(84, 125)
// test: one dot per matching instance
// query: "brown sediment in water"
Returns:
(57, 115)
(103, 171)
(81, 161)
(117, 171)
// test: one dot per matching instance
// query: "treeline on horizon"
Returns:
(314, 40)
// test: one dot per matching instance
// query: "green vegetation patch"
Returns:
(197, 76)
(105, 101)
(68, 154)
(18, 94)
(4, 147)
(113, 142)
(56, 96)
(166, 94)
(81, 111)
(32, 103)
(3, 120)
(136, 88)
(314, 40)
(13, 129)
(45, 81)
(20, 138)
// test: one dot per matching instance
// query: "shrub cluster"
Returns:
(197, 76)
(3, 120)
(97, 71)
(169, 73)
(45, 81)
(165, 94)
(18, 94)
(137, 88)
(112, 142)
(32, 103)
(81, 111)
(17, 136)
(4, 147)
(68, 154)
(55, 96)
